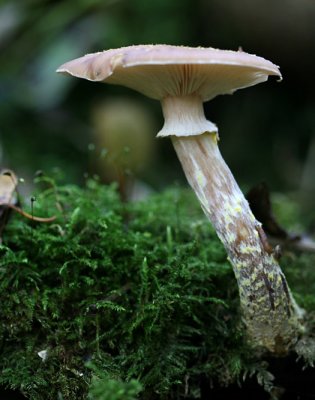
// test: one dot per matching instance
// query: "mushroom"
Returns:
(121, 129)
(182, 78)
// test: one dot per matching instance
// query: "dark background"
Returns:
(47, 123)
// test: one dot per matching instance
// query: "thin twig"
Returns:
(26, 215)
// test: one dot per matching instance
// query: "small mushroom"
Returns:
(122, 129)
(182, 78)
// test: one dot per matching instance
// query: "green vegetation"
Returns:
(122, 301)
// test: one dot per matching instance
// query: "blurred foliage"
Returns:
(114, 299)
(36, 37)
(40, 35)
(270, 125)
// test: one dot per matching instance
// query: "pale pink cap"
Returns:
(160, 71)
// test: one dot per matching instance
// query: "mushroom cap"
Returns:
(8, 183)
(160, 71)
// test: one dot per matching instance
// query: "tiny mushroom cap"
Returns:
(8, 184)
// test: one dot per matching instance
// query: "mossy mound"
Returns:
(122, 301)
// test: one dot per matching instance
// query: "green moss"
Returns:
(125, 300)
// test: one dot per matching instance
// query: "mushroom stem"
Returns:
(184, 116)
(269, 311)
